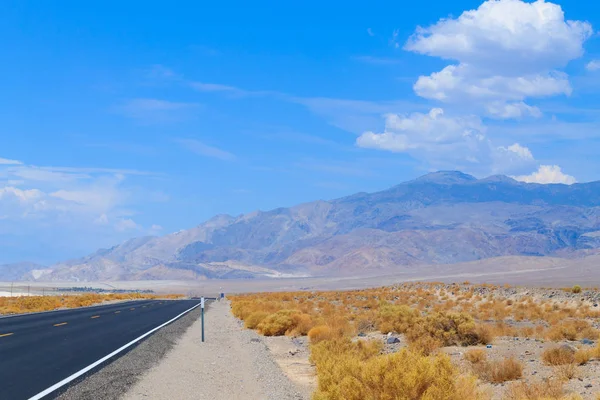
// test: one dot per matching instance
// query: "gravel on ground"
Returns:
(118, 375)
(232, 364)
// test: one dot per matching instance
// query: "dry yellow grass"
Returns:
(558, 356)
(475, 356)
(27, 304)
(499, 371)
(566, 372)
(356, 371)
(320, 333)
(550, 390)
(582, 356)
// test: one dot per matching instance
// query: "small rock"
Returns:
(362, 334)
(254, 340)
(293, 352)
(587, 341)
(589, 385)
(569, 348)
(392, 340)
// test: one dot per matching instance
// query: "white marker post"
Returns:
(202, 307)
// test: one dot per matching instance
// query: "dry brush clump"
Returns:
(561, 355)
(357, 371)
(498, 371)
(548, 390)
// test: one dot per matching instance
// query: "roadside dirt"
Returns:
(232, 364)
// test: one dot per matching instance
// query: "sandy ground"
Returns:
(292, 356)
(232, 364)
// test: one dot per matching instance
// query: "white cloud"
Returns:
(198, 147)
(507, 51)
(593, 65)
(445, 141)
(6, 161)
(506, 34)
(460, 82)
(547, 174)
(521, 151)
(126, 224)
(370, 32)
(512, 110)
(22, 196)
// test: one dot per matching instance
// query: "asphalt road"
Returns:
(39, 350)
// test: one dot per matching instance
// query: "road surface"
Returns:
(39, 350)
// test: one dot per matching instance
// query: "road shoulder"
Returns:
(121, 373)
(233, 363)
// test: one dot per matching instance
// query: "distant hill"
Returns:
(439, 218)
(21, 271)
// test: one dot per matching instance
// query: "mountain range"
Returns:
(441, 218)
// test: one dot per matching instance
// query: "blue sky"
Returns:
(122, 119)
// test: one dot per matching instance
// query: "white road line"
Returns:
(100, 361)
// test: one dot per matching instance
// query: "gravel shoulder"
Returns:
(119, 374)
(233, 363)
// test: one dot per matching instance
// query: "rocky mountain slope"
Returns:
(440, 218)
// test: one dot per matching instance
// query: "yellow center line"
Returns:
(116, 312)
(95, 316)
(61, 324)
(6, 334)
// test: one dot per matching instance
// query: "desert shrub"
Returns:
(449, 328)
(396, 318)
(499, 371)
(576, 289)
(475, 356)
(356, 371)
(365, 324)
(572, 330)
(558, 356)
(550, 390)
(303, 323)
(254, 319)
(277, 324)
(425, 345)
(582, 356)
(566, 372)
(320, 333)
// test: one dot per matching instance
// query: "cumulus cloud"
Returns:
(547, 174)
(499, 30)
(593, 65)
(521, 151)
(507, 51)
(445, 141)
